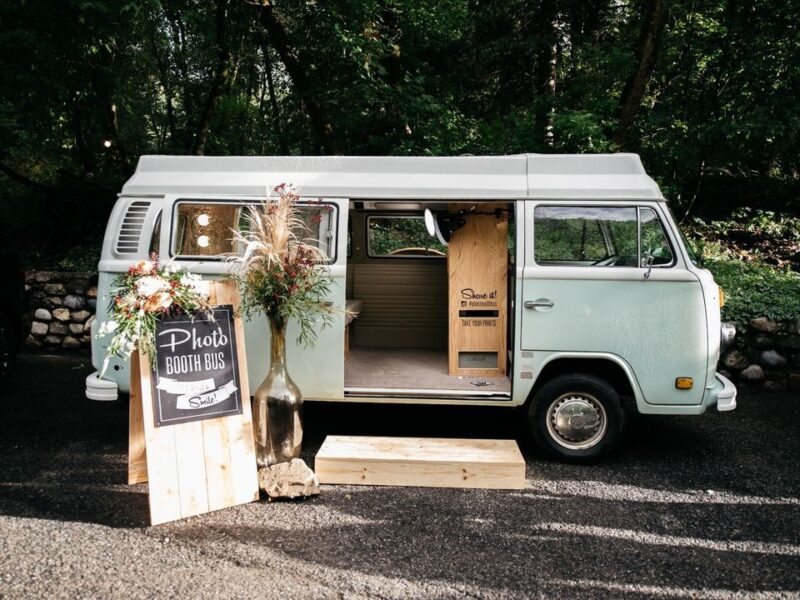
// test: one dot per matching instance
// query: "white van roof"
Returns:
(536, 176)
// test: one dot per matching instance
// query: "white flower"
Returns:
(108, 327)
(148, 286)
(170, 267)
(196, 284)
(145, 266)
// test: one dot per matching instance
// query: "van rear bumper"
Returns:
(101, 389)
(722, 393)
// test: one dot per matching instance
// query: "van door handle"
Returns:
(542, 303)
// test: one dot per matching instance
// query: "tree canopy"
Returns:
(705, 90)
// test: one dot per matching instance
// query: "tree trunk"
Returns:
(655, 17)
(221, 75)
(545, 71)
(293, 62)
(273, 102)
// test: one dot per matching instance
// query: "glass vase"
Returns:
(277, 408)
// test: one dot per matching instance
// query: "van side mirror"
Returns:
(430, 222)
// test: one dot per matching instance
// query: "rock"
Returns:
(92, 303)
(74, 302)
(71, 343)
(774, 386)
(80, 316)
(76, 328)
(772, 360)
(30, 276)
(735, 360)
(752, 374)
(53, 340)
(91, 292)
(288, 480)
(54, 288)
(762, 341)
(61, 314)
(78, 286)
(32, 342)
(725, 373)
(54, 301)
(42, 276)
(38, 328)
(793, 381)
(58, 328)
(42, 314)
(764, 324)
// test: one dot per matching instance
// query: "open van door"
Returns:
(318, 369)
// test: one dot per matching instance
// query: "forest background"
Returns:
(706, 91)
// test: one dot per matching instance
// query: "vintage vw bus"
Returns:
(559, 284)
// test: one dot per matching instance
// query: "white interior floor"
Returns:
(392, 368)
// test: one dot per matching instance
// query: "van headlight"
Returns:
(727, 331)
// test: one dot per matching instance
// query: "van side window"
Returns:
(599, 236)
(401, 236)
(205, 229)
(585, 236)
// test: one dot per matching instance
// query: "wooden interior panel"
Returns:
(404, 303)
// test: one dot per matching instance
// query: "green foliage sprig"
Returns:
(280, 275)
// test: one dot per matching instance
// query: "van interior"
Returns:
(407, 300)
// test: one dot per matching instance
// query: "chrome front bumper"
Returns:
(101, 389)
(726, 397)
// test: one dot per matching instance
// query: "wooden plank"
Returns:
(217, 456)
(242, 470)
(477, 263)
(162, 466)
(422, 462)
(137, 453)
(190, 459)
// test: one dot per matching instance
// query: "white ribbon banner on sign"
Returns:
(195, 401)
(180, 388)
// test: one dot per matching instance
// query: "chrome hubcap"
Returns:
(576, 420)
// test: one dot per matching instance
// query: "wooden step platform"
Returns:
(423, 462)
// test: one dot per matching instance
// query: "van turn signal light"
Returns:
(684, 383)
(721, 297)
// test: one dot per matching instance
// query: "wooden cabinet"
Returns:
(477, 259)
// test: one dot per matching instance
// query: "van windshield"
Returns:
(693, 254)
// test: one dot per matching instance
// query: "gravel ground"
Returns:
(691, 507)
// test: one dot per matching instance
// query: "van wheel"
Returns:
(578, 418)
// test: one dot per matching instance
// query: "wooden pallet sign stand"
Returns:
(420, 462)
(193, 460)
(477, 263)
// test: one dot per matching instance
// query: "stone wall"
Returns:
(765, 353)
(61, 306)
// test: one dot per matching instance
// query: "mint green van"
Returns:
(608, 310)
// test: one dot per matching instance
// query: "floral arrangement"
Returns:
(279, 273)
(147, 291)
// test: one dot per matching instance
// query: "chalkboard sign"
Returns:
(196, 373)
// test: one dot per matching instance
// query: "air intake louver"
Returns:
(132, 224)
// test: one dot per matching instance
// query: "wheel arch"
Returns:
(608, 367)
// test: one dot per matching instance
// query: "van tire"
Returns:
(577, 418)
